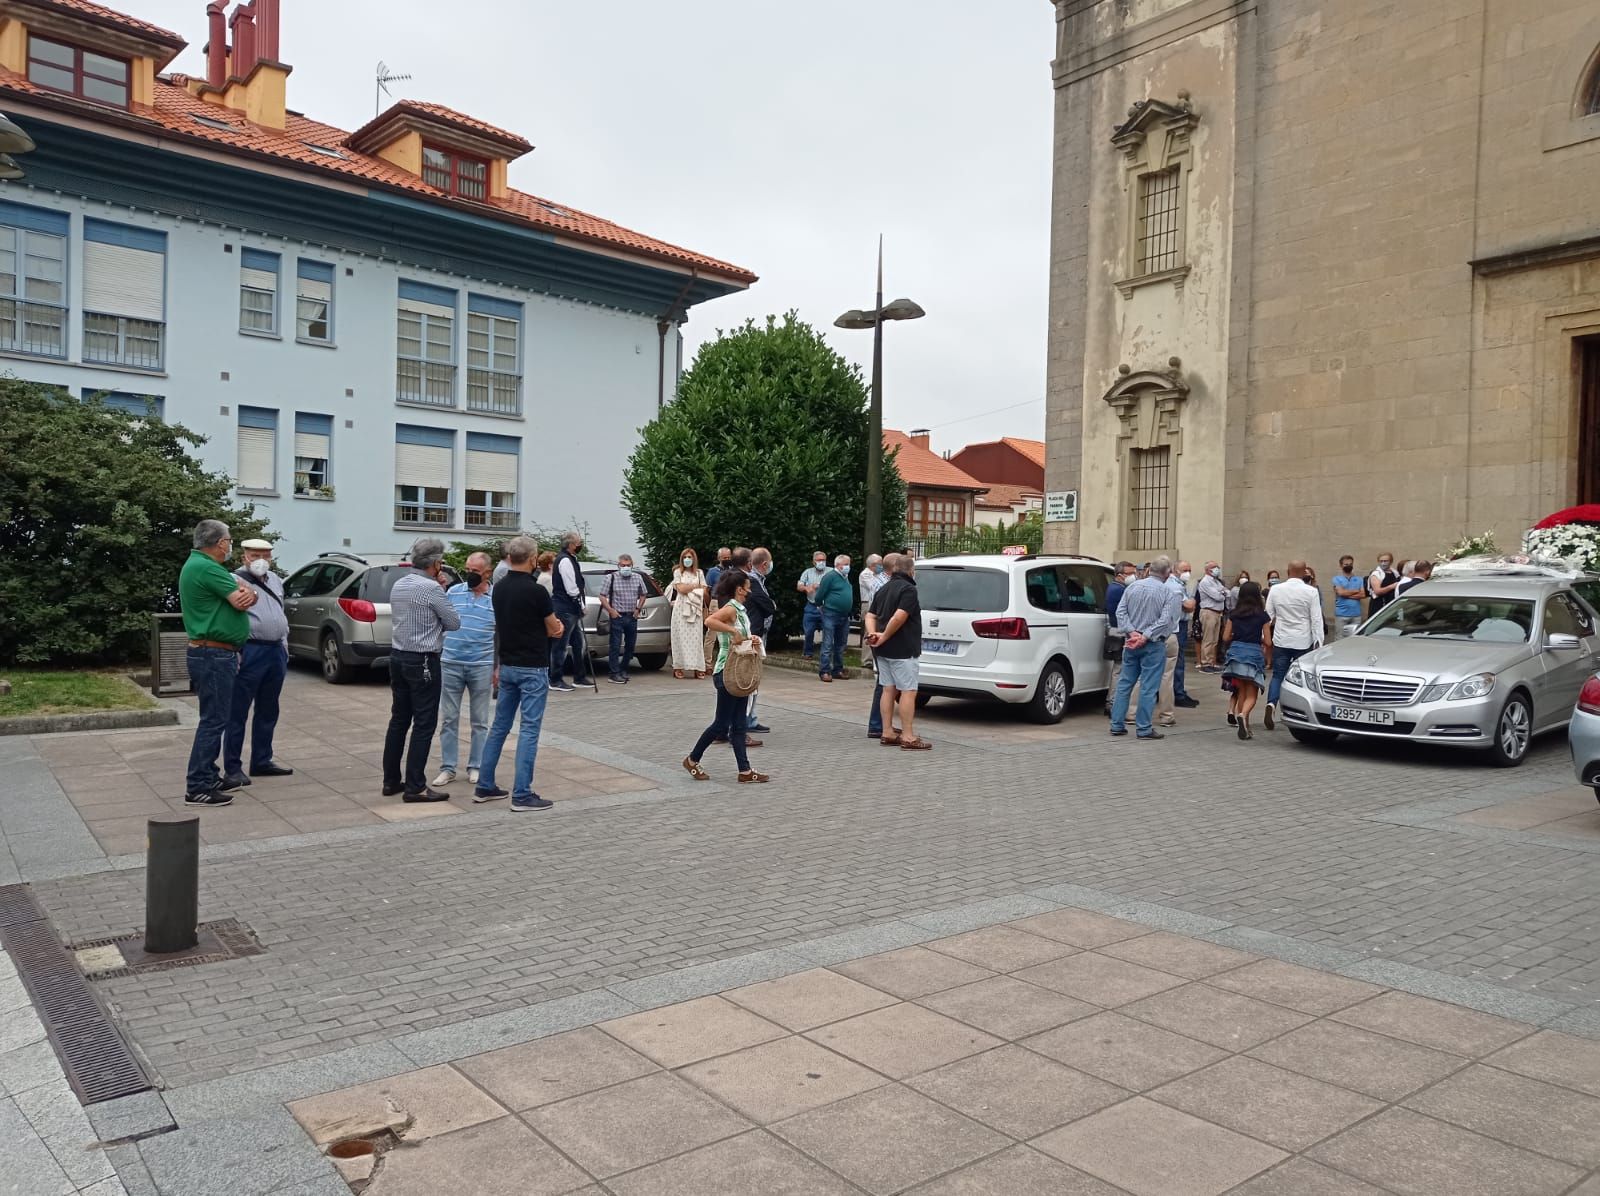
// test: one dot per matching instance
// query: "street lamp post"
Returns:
(900, 309)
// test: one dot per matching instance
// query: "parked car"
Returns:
(338, 610)
(1484, 660)
(655, 625)
(1025, 630)
(1583, 735)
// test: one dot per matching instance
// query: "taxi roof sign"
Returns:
(1014, 550)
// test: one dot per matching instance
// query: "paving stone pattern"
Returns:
(879, 1076)
(388, 933)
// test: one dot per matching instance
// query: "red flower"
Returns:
(1588, 513)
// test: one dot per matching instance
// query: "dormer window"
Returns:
(75, 71)
(455, 173)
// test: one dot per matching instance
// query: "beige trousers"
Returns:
(1210, 635)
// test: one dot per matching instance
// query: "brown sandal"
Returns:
(887, 741)
(694, 770)
(753, 778)
(916, 745)
(677, 674)
(698, 675)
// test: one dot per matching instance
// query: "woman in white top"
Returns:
(688, 616)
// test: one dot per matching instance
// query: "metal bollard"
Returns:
(172, 886)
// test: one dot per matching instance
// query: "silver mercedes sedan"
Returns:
(1484, 661)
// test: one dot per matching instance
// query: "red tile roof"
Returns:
(447, 116)
(105, 16)
(1005, 497)
(1033, 450)
(924, 467)
(175, 108)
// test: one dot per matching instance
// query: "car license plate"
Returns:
(1353, 714)
(941, 647)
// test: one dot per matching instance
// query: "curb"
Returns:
(94, 720)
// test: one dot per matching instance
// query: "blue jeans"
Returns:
(624, 637)
(1142, 667)
(1183, 650)
(259, 682)
(475, 679)
(810, 624)
(875, 719)
(1282, 658)
(835, 632)
(211, 674)
(729, 724)
(570, 640)
(522, 690)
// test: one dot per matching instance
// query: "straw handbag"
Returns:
(741, 676)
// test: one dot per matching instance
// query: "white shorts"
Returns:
(897, 674)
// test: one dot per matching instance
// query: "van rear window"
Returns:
(377, 581)
(960, 588)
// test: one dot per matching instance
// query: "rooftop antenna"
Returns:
(385, 77)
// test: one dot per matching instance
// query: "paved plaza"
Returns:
(1033, 959)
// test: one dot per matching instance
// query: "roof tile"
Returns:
(108, 16)
(924, 467)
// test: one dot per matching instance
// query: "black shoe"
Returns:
(390, 790)
(1266, 719)
(426, 795)
(1186, 702)
(533, 803)
(234, 780)
(1152, 735)
(617, 680)
(1233, 719)
(270, 769)
(495, 794)
(1116, 733)
(212, 797)
(758, 729)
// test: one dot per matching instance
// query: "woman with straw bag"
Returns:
(732, 626)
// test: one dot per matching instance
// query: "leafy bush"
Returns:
(97, 515)
(1027, 530)
(548, 539)
(766, 444)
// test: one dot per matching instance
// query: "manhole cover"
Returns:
(103, 959)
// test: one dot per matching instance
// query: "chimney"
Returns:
(217, 47)
(244, 40)
(266, 23)
(920, 437)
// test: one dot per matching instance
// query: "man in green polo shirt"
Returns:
(214, 602)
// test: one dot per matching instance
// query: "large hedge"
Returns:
(97, 515)
(766, 444)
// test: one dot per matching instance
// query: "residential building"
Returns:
(1003, 503)
(1013, 471)
(940, 497)
(374, 331)
(1325, 278)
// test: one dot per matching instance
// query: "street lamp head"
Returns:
(13, 138)
(8, 168)
(902, 309)
(855, 318)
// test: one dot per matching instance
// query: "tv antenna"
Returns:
(385, 77)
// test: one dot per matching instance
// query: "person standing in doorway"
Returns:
(836, 601)
(1348, 591)
(894, 630)
(527, 626)
(420, 614)
(622, 596)
(1148, 614)
(262, 667)
(811, 621)
(1296, 613)
(571, 593)
(214, 605)
(467, 665)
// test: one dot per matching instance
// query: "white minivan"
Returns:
(1029, 630)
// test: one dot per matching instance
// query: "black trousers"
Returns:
(414, 681)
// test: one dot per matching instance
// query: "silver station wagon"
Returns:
(1483, 657)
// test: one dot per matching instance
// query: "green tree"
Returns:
(766, 443)
(97, 514)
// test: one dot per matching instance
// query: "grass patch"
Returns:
(795, 660)
(70, 693)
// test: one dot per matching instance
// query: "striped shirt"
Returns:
(623, 591)
(725, 638)
(473, 642)
(419, 614)
(1150, 607)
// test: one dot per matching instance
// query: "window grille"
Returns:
(1150, 471)
(1158, 222)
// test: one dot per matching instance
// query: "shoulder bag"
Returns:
(741, 676)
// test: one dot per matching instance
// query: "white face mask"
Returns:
(1185, 575)
(819, 566)
(260, 567)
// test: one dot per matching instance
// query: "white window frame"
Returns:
(21, 312)
(500, 389)
(426, 374)
(245, 435)
(302, 321)
(256, 297)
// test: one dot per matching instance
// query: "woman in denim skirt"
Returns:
(1247, 635)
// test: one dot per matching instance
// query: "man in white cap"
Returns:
(262, 666)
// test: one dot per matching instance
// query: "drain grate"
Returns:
(226, 938)
(98, 1064)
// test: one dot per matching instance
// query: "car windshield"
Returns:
(958, 588)
(1456, 617)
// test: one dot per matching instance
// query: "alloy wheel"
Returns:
(1514, 730)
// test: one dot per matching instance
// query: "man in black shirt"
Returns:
(894, 632)
(761, 609)
(525, 621)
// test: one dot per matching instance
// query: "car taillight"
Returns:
(359, 609)
(1000, 629)
(1589, 696)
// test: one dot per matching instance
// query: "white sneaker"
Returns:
(472, 776)
(445, 777)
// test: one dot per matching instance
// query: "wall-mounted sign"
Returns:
(1061, 506)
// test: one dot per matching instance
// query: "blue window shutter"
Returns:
(484, 442)
(258, 417)
(315, 425)
(39, 220)
(424, 293)
(125, 235)
(121, 400)
(488, 306)
(316, 271)
(415, 434)
(258, 259)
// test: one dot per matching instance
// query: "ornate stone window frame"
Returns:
(1149, 408)
(1574, 85)
(1155, 138)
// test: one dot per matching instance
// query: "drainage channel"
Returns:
(98, 1064)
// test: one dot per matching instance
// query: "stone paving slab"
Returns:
(1378, 1091)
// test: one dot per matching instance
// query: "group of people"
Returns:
(1247, 633)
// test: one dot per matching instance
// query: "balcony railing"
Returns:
(488, 517)
(123, 340)
(423, 514)
(430, 382)
(494, 393)
(39, 328)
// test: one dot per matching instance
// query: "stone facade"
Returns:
(1322, 274)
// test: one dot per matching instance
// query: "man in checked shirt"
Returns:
(419, 615)
(622, 596)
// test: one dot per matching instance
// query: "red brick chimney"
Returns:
(920, 437)
(266, 23)
(217, 47)
(244, 40)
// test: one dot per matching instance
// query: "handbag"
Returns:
(741, 675)
(1115, 641)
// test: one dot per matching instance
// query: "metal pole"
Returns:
(172, 885)
(871, 542)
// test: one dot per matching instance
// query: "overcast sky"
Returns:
(781, 137)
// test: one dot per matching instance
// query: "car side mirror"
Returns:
(1560, 641)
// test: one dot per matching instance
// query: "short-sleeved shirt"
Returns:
(203, 588)
(520, 607)
(623, 591)
(813, 577)
(473, 642)
(1247, 628)
(1343, 607)
(899, 593)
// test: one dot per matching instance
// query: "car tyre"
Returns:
(1513, 732)
(653, 663)
(334, 669)
(1314, 738)
(1051, 695)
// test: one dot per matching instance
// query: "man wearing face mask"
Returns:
(1348, 591)
(761, 609)
(467, 664)
(262, 666)
(870, 581)
(1212, 595)
(811, 622)
(622, 596)
(419, 616)
(835, 599)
